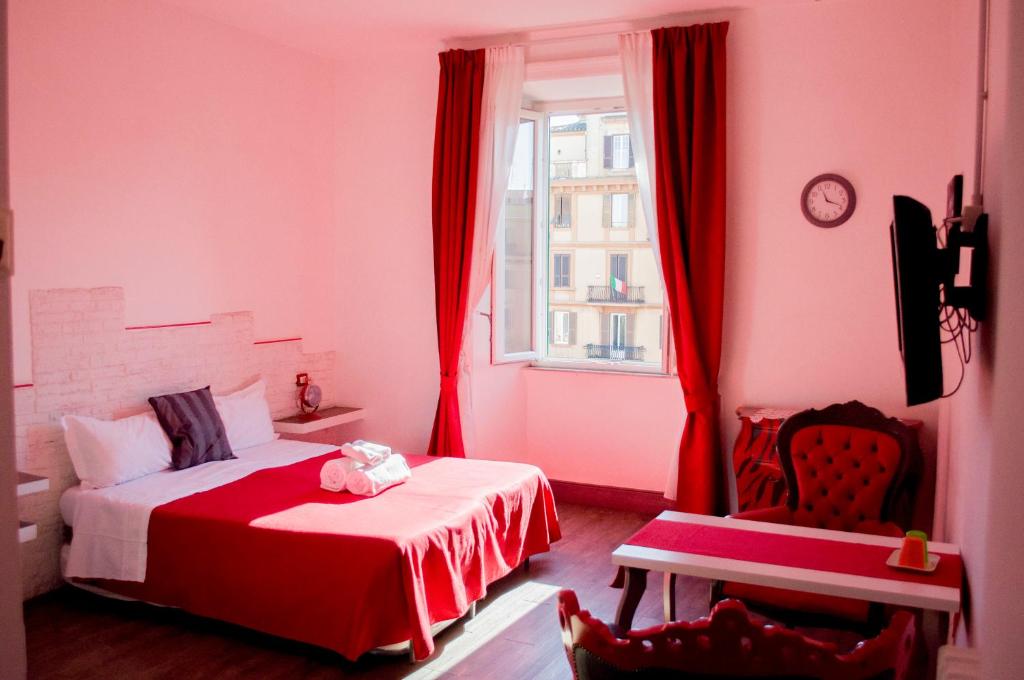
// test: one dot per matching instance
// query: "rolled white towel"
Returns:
(371, 480)
(365, 452)
(335, 472)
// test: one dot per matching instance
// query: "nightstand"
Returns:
(305, 423)
(27, 484)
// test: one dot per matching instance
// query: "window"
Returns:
(620, 210)
(617, 153)
(617, 332)
(563, 327)
(562, 204)
(513, 287)
(597, 294)
(561, 266)
(618, 276)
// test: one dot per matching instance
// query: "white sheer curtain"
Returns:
(637, 53)
(504, 72)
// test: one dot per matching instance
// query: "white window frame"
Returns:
(537, 356)
(540, 219)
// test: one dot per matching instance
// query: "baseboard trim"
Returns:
(610, 497)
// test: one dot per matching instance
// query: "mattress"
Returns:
(111, 525)
(68, 503)
(274, 552)
(270, 451)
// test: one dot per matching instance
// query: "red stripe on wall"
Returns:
(270, 342)
(167, 325)
(23, 385)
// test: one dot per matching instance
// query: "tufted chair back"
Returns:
(845, 465)
(726, 644)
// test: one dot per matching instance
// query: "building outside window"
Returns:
(598, 297)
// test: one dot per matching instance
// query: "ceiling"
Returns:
(332, 27)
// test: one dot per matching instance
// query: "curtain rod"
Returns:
(583, 31)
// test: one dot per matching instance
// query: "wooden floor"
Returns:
(515, 635)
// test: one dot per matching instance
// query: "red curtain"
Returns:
(456, 150)
(689, 139)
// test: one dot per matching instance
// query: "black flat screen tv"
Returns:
(917, 274)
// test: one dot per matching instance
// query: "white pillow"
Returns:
(109, 452)
(246, 416)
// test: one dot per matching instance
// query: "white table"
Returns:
(638, 561)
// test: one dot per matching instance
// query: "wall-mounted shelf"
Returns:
(28, 483)
(26, 532)
(304, 423)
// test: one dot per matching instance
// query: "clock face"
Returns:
(312, 396)
(828, 200)
(309, 398)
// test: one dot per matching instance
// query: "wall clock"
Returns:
(828, 200)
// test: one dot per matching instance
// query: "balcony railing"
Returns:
(615, 352)
(568, 169)
(633, 295)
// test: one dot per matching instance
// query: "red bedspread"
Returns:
(276, 553)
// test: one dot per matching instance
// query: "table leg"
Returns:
(636, 583)
(670, 597)
(952, 623)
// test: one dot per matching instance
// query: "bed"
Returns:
(257, 542)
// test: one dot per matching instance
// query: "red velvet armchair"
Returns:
(727, 644)
(846, 466)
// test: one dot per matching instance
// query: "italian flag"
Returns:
(618, 285)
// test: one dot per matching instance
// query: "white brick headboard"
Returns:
(85, 361)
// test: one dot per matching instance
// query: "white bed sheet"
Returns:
(68, 501)
(111, 525)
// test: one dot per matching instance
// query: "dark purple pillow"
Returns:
(194, 427)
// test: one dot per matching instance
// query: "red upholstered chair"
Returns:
(727, 644)
(845, 466)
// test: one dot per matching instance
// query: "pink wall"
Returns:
(982, 422)
(809, 312)
(190, 162)
(815, 88)
(603, 429)
(150, 145)
(263, 159)
(387, 348)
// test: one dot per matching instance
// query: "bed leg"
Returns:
(412, 654)
(526, 565)
(472, 610)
